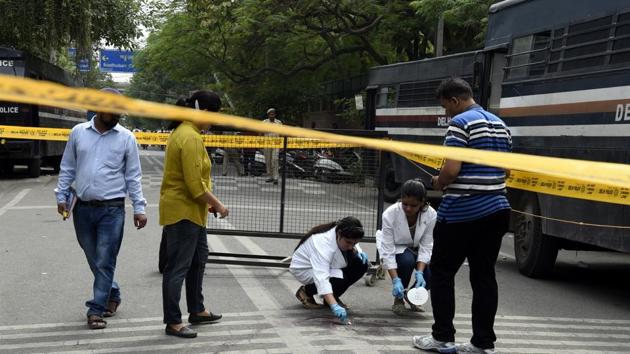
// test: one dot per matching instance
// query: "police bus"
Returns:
(558, 73)
(33, 153)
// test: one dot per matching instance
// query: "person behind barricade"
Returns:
(406, 241)
(101, 159)
(271, 154)
(185, 199)
(472, 219)
(328, 260)
(232, 156)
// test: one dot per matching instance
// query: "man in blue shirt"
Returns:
(472, 219)
(101, 159)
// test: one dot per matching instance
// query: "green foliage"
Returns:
(43, 27)
(264, 53)
(465, 21)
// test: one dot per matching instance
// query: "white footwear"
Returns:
(427, 342)
(469, 348)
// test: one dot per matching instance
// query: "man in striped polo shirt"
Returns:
(472, 219)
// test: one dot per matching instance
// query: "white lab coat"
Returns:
(394, 237)
(318, 259)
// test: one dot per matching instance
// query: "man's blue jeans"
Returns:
(99, 231)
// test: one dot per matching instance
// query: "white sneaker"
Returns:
(470, 348)
(427, 342)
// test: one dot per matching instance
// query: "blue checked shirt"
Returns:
(102, 166)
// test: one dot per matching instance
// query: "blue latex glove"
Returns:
(340, 312)
(398, 290)
(363, 257)
(420, 282)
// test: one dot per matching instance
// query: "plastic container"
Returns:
(418, 296)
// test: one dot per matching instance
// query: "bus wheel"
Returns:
(535, 252)
(391, 189)
(34, 167)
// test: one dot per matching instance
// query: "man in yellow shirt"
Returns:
(185, 199)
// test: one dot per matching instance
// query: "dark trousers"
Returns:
(406, 263)
(162, 253)
(351, 274)
(478, 241)
(186, 256)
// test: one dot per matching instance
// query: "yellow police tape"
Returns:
(564, 187)
(600, 181)
(223, 141)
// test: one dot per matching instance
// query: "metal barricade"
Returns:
(314, 186)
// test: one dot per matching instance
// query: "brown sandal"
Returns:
(96, 322)
(112, 307)
(307, 301)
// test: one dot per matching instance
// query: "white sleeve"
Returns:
(425, 248)
(321, 272)
(388, 247)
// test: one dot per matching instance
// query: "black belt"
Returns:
(116, 202)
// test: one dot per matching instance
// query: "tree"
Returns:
(46, 27)
(465, 21)
(278, 52)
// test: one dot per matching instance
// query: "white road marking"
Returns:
(15, 200)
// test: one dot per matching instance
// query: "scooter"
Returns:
(293, 169)
(338, 170)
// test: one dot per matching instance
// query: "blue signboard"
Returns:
(84, 64)
(119, 61)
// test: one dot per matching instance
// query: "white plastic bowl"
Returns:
(418, 296)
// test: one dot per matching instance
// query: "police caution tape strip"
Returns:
(564, 187)
(611, 177)
(223, 141)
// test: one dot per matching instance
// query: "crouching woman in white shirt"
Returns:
(405, 242)
(328, 260)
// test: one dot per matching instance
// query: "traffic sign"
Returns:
(119, 61)
(83, 65)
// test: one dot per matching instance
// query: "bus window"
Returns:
(621, 45)
(528, 55)
(386, 97)
(417, 94)
(496, 75)
(586, 44)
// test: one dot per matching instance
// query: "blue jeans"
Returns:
(406, 262)
(99, 231)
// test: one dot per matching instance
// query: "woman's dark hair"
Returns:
(454, 87)
(348, 227)
(204, 100)
(416, 189)
(413, 188)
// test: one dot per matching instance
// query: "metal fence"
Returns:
(314, 186)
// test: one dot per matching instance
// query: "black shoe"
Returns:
(183, 332)
(275, 181)
(269, 180)
(196, 319)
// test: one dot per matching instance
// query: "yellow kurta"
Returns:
(186, 177)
